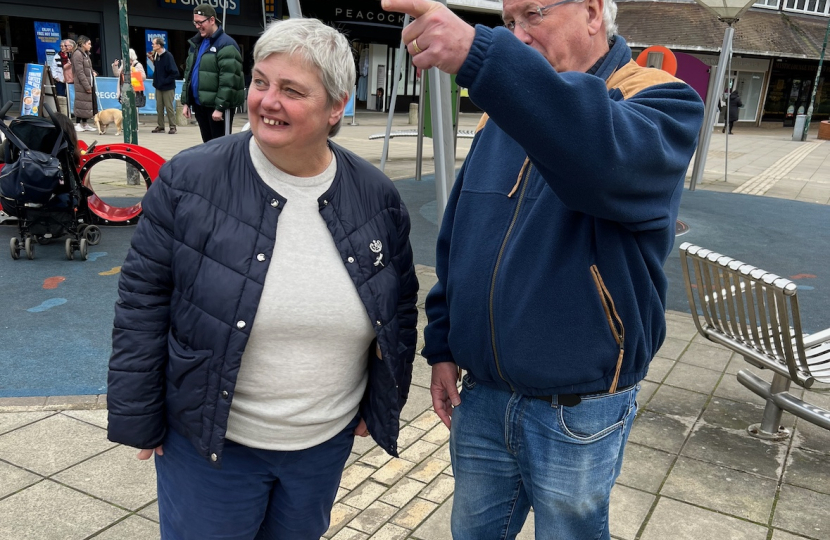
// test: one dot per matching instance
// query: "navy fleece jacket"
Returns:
(558, 287)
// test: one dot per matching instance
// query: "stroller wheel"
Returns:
(30, 248)
(70, 251)
(92, 234)
(84, 249)
(14, 247)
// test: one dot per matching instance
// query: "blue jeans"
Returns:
(260, 494)
(512, 452)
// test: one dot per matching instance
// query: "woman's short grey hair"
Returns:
(609, 17)
(318, 44)
(133, 56)
(82, 40)
(71, 43)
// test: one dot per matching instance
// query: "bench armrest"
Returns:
(817, 338)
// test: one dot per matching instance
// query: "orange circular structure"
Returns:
(669, 59)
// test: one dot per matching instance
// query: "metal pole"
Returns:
(264, 17)
(457, 120)
(294, 10)
(441, 137)
(711, 108)
(396, 77)
(130, 116)
(354, 108)
(727, 128)
(815, 84)
(225, 16)
(419, 152)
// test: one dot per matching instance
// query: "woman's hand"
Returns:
(89, 90)
(145, 454)
(360, 431)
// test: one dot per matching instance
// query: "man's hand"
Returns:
(444, 390)
(144, 455)
(185, 111)
(361, 430)
(217, 116)
(437, 38)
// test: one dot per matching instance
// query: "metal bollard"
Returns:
(180, 119)
(413, 113)
(798, 129)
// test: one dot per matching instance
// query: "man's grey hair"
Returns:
(321, 46)
(159, 40)
(609, 18)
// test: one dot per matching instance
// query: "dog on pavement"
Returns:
(106, 117)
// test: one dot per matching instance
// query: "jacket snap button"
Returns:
(350, 259)
(240, 325)
(225, 394)
(325, 203)
(378, 323)
(275, 203)
(260, 257)
(214, 457)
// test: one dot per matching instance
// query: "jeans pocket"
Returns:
(597, 416)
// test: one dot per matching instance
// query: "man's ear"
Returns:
(594, 9)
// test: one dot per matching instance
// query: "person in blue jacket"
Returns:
(266, 309)
(551, 292)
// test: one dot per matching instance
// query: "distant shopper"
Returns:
(86, 105)
(379, 100)
(213, 83)
(56, 69)
(735, 103)
(164, 81)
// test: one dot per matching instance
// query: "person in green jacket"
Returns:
(213, 82)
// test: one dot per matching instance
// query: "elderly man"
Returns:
(551, 292)
(213, 83)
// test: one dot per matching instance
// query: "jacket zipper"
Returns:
(614, 322)
(527, 165)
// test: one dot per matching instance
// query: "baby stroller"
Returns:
(62, 212)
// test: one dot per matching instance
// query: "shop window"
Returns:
(818, 7)
(771, 4)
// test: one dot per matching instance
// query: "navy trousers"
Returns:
(257, 494)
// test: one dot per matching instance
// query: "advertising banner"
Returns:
(107, 88)
(350, 105)
(32, 85)
(47, 36)
(149, 36)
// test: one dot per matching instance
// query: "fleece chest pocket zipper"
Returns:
(614, 322)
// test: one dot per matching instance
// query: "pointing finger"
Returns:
(414, 8)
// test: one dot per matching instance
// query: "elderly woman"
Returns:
(266, 309)
(86, 105)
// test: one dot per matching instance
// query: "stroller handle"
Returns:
(5, 109)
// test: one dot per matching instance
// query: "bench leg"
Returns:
(770, 427)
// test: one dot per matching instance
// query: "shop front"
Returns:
(790, 90)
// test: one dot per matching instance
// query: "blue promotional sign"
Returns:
(32, 84)
(107, 88)
(350, 105)
(47, 36)
(149, 36)
(218, 5)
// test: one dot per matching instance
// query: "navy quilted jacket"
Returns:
(193, 278)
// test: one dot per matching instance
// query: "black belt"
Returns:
(571, 400)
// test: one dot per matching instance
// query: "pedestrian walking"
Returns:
(86, 102)
(213, 82)
(732, 103)
(267, 308)
(164, 81)
(551, 293)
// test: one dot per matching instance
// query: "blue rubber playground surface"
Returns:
(56, 315)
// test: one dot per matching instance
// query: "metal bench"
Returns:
(755, 313)
(462, 134)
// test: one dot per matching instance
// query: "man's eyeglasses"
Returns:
(534, 17)
(198, 24)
